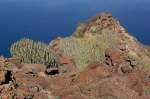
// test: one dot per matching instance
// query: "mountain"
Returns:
(100, 60)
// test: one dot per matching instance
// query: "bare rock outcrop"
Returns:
(33, 68)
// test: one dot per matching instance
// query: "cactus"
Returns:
(29, 51)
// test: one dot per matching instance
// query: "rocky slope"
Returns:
(120, 70)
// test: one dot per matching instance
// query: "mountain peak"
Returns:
(98, 23)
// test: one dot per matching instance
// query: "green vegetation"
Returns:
(147, 90)
(147, 66)
(93, 29)
(81, 28)
(29, 51)
(83, 50)
(87, 51)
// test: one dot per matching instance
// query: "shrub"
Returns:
(86, 51)
(29, 51)
(93, 29)
(147, 90)
(81, 28)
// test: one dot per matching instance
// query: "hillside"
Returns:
(100, 60)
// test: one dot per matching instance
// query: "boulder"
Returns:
(3, 76)
(88, 34)
(113, 56)
(67, 64)
(65, 60)
(2, 61)
(125, 67)
(33, 68)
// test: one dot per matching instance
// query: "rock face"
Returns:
(7, 83)
(67, 64)
(33, 68)
(99, 81)
(106, 20)
(3, 76)
(120, 74)
(100, 22)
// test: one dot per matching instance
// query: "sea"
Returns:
(44, 20)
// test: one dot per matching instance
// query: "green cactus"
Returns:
(29, 51)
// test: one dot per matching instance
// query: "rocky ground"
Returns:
(116, 76)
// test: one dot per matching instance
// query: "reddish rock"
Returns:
(65, 92)
(3, 74)
(56, 43)
(113, 56)
(30, 80)
(68, 64)
(88, 34)
(74, 97)
(105, 15)
(40, 96)
(118, 86)
(33, 68)
(125, 67)
(105, 20)
(65, 60)
(93, 72)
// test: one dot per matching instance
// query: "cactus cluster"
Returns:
(29, 51)
(87, 51)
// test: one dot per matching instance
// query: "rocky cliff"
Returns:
(101, 60)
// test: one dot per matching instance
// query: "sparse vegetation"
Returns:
(147, 90)
(147, 66)
(29, 51)
(93, 29)
(81, 28)
(86, 51)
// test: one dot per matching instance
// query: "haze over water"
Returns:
(45, 20)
